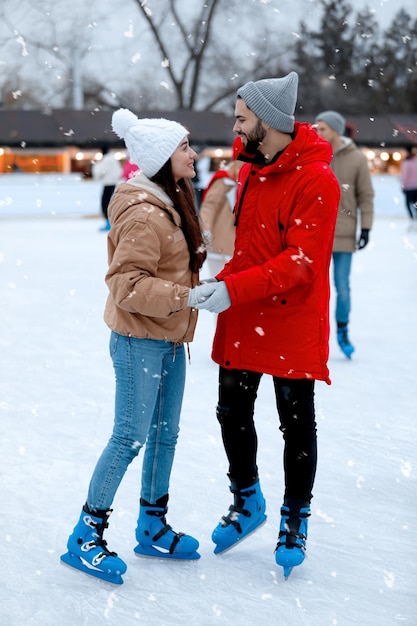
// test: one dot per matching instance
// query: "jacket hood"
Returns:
(306, 147)
(347, 144)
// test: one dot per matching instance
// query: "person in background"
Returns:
(356, 206)
(155, 252)
(107, 171)
(216, 212)
(129, 169)
(197, 189)
(272, 300)
(409, 181)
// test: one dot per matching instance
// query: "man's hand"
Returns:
(218, 301)
(199, 294)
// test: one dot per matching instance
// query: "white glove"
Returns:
(200, 293)
(218, 301)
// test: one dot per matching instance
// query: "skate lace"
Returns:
(99, 542)
(235, 510)
(292, 536)
(91, 545)
(343, 337)
(88, 521)
(165, 529)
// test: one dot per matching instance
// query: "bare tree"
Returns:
(176, 54)
(348, 66)
(60, 58)
(213, 47)
(398, 65)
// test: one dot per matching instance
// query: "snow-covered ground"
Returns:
(56, 407)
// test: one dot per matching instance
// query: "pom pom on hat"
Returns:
(273, 100)
(150, 142)
(334, 120)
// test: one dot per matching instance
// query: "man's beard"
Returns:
(254, 138)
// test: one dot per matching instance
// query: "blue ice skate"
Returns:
(344, 342)
(157, 539)
(246, 514)
(87, 550)
(291, 546)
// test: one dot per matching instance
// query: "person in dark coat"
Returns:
(108, 172)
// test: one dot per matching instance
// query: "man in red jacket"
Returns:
(273, 303)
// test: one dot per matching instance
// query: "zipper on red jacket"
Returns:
(245, 186)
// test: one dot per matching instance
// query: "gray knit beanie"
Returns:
(273, 100)
(334, 120)
(150, 142)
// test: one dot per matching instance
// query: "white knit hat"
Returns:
(273, 100)
(150, 142)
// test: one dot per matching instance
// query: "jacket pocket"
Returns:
(292, 297)
(114, 340)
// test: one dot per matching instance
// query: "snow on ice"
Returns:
(57, 413)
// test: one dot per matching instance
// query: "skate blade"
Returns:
(156, 553)
(73, 561)
(219, 549)
(288, 560)
(348, 352)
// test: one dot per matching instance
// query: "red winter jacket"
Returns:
(278, 278)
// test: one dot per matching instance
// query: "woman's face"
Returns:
(182, 161)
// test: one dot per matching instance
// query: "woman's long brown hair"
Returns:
(183, 198)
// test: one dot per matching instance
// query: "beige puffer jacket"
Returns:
(149, 275)
(357, 195)
(217, 215)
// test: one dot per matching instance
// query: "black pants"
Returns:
(295, 404)
(411, 202)
(106, 195)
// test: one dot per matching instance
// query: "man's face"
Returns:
(248, 126)
(326, 132)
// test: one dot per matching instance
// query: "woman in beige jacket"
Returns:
(155, 250)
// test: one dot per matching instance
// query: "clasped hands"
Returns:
(211, 296)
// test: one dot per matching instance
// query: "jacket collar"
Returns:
(258, 158)
(142, 181)
(346, 143)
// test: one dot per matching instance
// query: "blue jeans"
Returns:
(342, 262)
(150, 379)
